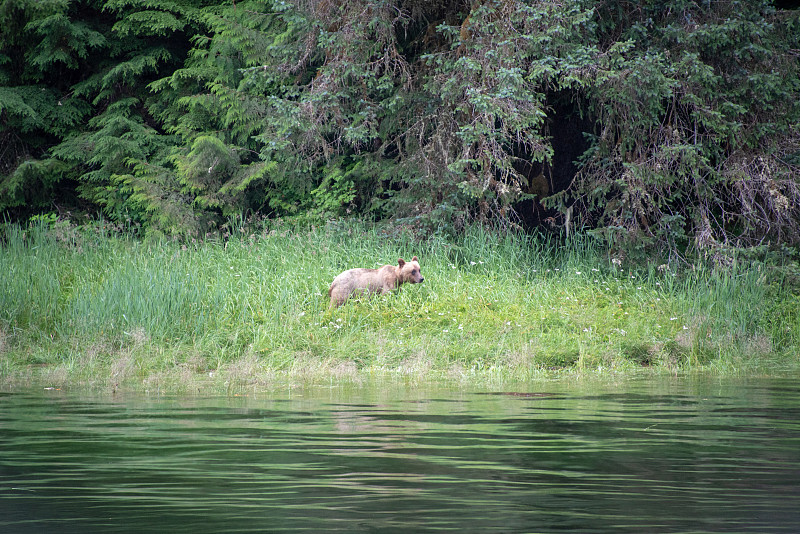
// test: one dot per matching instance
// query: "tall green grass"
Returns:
(83, 305)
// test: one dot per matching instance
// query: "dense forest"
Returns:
(668, 123)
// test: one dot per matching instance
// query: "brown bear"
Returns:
(383, 280)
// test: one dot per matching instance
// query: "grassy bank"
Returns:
(82, 306)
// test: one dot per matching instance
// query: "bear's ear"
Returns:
(415, 259)
(401, 262)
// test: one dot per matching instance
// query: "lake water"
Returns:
(630, 456)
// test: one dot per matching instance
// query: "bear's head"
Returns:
(409, 271)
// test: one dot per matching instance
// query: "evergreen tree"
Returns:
(697, 115)
(176, 114)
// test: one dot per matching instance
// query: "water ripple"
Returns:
(645, 458)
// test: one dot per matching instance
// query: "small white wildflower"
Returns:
(445, 330)
(673, 318)
(508, 323)
(685, 327)
(440, 313)
(473, 263)
(577, 272)
(302, 314)
(469, 298)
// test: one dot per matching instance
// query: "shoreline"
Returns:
(249, 376)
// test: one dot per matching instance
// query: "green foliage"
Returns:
(32, 183)
(181, 113)
(12, 105)
(73, 112)
(61, 41)
(697, 111)
(491, 305)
